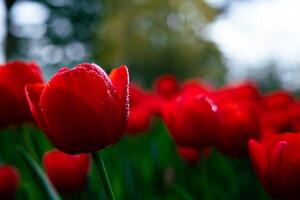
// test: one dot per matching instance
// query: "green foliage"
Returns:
(140, 167)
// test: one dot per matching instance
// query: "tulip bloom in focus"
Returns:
(82, 109)
(192, 120)
(239, 122)
(13, 78)
(68, 173)
(276, 162)
(9, 182)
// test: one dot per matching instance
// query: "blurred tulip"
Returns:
(140, 113)
(9, 182)
(82, 110)
(196, 87)
(240, 92)
(239, 122)
(139, 119)
(68, 173)
(276, 162)
(13, 78)
(278, 111)
(192, 120)
(166, 86)
(190, 155)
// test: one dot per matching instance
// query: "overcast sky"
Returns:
(253, 34)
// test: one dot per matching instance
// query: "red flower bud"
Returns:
(68, 173)
(192, 120)
(9, 182)
(13, 78)
(167, 86)
(276, 162)
(239, 123)
(82, 110)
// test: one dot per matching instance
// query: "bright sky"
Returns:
(253, 34)
(2, 30)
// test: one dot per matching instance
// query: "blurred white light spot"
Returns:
(61, 26)
(29, 13)
(76, 51)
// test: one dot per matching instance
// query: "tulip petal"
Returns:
(259, 159)
(33, 93)
(120, 80)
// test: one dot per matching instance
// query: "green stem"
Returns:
(103, 174)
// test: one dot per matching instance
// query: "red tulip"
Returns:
(276, 161)
(277, 100)
(278, 111)
(167, 86)
(196, 87)
(139, 119)
(68, 173)
(140, 113)
(9, 181)
(82, 110)
(239, 123)
(13, 78)
(242, 92)
(190, 155)
(192, 120)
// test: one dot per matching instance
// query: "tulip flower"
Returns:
(196, 87)
(9, 181)
(276, 162)
(240, 92)
(68, 173)
(82, 109)
(190, 155)
(166, 86)
(192, 120)
(139, 119)
(278, 111)
(13, 78)
(239, 122)
(140, 113)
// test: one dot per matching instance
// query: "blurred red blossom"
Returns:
(68, 173)
(276, 162)
(9, 181)
(14, 76)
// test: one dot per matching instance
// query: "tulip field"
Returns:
(90, 134)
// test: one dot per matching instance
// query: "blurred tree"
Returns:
(52, 32)
(156, 37)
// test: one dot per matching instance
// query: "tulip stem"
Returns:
(98, 160)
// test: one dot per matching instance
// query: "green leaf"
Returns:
(39, 177)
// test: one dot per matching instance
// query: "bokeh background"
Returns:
(217, 40)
